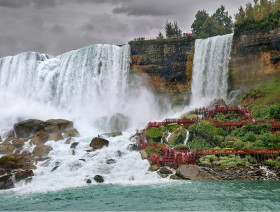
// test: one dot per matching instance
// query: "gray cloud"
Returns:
(57, 26)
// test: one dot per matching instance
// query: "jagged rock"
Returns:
(68, 141)
(6, 148)
(21, 175)
(56, 125)
(72, 132)
(73, 145)
(88, 181)
(82, 160)
(6, 182)
(165, 170)
(41, 151)
(40, 137)
(175, 177)
(132, 147)
(112, 134)
(110, 161)
(18, 142)
(98, 143)
(98, 179)
(178, 136)
(54, 168)
(2, 171)
(55, 136)
(192, 172)
(24, 129)
(7, 162)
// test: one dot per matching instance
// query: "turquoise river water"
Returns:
(179, 196)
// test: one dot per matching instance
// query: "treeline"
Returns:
(262, 15)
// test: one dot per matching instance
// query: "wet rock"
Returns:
(10, 163)
(72, 132)
(175, 177)
(192, 172)
(68, 140)
(24, 129)
(2, 171)
(21, 175)
(98, 143)
(88, 181)
(82, 160)
(165, 170)
(18, 143)
(55, 136)
(6, 182)
(98, 179)
(40, 137)
(56, 125)
(73, 145)
(54, 168)
(189, 115)
(41, 151)
(132, 147)
(154, 167)
(111, 161)
(112, 134)
(119, 153)
(6, 149)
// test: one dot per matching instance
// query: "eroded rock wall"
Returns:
(168, 63)
(255, 58)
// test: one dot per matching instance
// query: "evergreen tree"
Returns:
(200, 19)
(160, 36)
(172, 29)
(223, 19)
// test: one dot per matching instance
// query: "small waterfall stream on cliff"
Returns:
(88, 86)
(210, 69)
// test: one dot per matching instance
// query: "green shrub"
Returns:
(222, 132)
(231, 161)
(181, 147)
(274, 111)
(150, 150)
(204, 127)
(205, 162)
(171, 127)
(249, 137)
(211, 158)
(5, 159)
(199, 143)
(267, 139)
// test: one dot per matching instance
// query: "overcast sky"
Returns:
(57, 26)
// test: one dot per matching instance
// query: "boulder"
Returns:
(110, 161)
(24, 129)
(21, 175)
(165, 170)
(36, 140)
(98, 179)
(68, 141)
(6, 148)
(2, 171)
(6, 182)
(41, 151)
(88, 181)
(56, 125)
(192, 172)
(54, 168)
(9, 163)
(98, 143)
(44, 136)
(72, 132)
(73, 145)
(55, 136)
(178, 136)
(132, 147)
(18, 142)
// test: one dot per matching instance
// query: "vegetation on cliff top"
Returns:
(263, 15)
(204, 25)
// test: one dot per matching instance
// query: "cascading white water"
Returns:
(83, 85)
(210, 69)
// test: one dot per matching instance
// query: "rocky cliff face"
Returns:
(168, 63)
(255, 58)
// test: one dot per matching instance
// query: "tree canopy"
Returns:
(219, 23)
(172, 29)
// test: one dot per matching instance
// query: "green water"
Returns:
(198, 195)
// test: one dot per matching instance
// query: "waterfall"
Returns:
(88, 84)
(210, 70)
